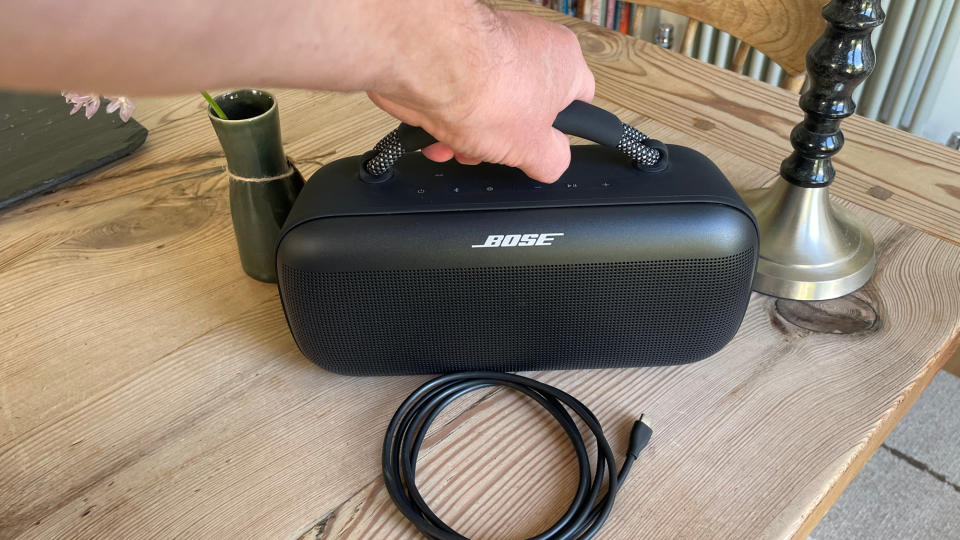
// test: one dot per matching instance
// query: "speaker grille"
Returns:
(512, 318)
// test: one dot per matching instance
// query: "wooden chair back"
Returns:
(783, 30)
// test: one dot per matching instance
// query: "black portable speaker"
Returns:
(640, 254)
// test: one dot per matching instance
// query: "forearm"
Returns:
(487, 85)
(184, 45)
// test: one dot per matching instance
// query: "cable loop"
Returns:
(408, 428)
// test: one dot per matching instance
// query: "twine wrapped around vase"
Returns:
(283, 176)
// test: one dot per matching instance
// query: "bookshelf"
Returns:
(624, 17)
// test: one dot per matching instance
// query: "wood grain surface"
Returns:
(149, 389)
(783, 30)
(953, 364)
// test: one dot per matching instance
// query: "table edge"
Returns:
(876, 438)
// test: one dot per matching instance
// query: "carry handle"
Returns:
(580, 119)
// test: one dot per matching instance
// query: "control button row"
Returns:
(489, 189)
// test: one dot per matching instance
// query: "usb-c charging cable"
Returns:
(410, 423)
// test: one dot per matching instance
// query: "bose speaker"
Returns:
(640, 254)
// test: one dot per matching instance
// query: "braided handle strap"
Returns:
(391, 148)
(385, 154)
(631, 144)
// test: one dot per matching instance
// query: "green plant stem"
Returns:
(213, 105)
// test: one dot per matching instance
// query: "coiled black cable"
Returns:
(410, 424)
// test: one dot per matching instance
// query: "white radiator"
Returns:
(914, 51)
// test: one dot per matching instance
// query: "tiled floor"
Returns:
(910, 488)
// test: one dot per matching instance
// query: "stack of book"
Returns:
(613, 14)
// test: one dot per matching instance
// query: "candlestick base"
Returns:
(810, 249)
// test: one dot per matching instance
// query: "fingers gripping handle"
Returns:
(580, 119)
(590, 122)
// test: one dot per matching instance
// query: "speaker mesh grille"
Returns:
(511, 318)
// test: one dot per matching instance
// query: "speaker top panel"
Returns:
(597, 176)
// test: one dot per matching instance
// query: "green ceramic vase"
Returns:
(263, 182)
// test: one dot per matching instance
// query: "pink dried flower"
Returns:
(91, 104)
(123, 103)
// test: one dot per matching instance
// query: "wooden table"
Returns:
(148, 388)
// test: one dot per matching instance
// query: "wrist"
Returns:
(440, 58)
(380, 46)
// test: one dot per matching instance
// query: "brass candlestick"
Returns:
(811, 249)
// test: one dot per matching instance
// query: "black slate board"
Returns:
(42, 146)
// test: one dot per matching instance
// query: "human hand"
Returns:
(491, 91)
(487, 84)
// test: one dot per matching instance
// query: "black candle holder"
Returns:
(811, 249)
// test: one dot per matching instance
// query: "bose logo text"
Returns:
(519, 240)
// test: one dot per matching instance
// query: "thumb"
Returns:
(548, 156)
